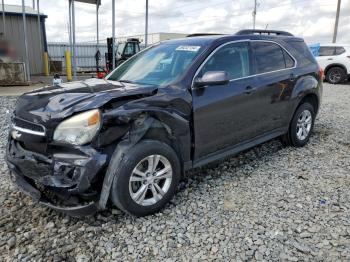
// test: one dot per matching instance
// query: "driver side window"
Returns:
(232, 58)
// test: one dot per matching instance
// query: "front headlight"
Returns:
(79, 129)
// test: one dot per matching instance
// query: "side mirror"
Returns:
(212, 78)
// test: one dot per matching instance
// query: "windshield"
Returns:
(158, 65)
(120, 49)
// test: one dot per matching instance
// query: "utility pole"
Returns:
(146, 25)
(39, 25)
(74, 42)
(3, 19)
(97, 25)
(254, 13)
(26, 58)
(336, 22)
(70, 30)
(113, 34)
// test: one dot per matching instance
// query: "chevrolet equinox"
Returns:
(126, 140)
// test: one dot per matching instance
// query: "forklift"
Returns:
(124, 50)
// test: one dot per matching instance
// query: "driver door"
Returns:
(224, 114)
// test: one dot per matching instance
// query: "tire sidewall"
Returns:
(120, 194)
(342, 78)
(293, 127)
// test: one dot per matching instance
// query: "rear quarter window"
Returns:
(301, 53)
(339, 50)
(288, 59)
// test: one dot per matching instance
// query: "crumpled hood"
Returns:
(52, 104)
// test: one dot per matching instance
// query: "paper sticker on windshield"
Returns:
(188, 48)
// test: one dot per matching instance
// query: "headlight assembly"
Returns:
(79, 129)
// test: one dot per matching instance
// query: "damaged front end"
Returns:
(66, 181)
(76, 179)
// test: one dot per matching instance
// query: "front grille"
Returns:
(26, 125)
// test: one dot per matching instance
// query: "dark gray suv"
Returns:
(127, 139)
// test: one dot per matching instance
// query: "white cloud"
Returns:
(311, 19)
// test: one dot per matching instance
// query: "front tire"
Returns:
(301, 126)
(147, 179)
(336, 75)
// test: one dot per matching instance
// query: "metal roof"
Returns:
(17, 9)
(94, 2)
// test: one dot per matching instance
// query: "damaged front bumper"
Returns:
(65, 180)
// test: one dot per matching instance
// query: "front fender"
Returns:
(139, 127)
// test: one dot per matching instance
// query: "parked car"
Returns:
(127, 139)
(335, 61)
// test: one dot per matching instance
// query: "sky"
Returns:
(311, 19)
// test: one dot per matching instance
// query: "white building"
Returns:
(153, 38)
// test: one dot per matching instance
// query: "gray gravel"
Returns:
(268, 203)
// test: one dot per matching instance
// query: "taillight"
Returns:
(321, 73)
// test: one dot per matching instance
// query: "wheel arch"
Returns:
(312, 99)
(162, 126)
(165, 134)
(335, 65)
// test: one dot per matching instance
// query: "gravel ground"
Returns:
(268, 203)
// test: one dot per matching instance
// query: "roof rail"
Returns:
(263, 32)
(202, 34)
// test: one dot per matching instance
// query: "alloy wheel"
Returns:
(335, 76)
(150, 180)
(304, 125)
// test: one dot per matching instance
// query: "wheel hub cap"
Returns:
(304, 125)
(150, 180)
(335, 76)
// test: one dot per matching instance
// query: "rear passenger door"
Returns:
(275, 78)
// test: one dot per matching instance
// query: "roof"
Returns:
(17, 10)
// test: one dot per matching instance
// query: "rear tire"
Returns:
(301, 126)
(336, 75)
(140, 188)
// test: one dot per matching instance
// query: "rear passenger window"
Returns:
(339, 50)
(327, 51)
(269, 57)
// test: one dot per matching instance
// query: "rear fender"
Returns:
(305, 85)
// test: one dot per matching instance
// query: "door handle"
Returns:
(249, 89)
